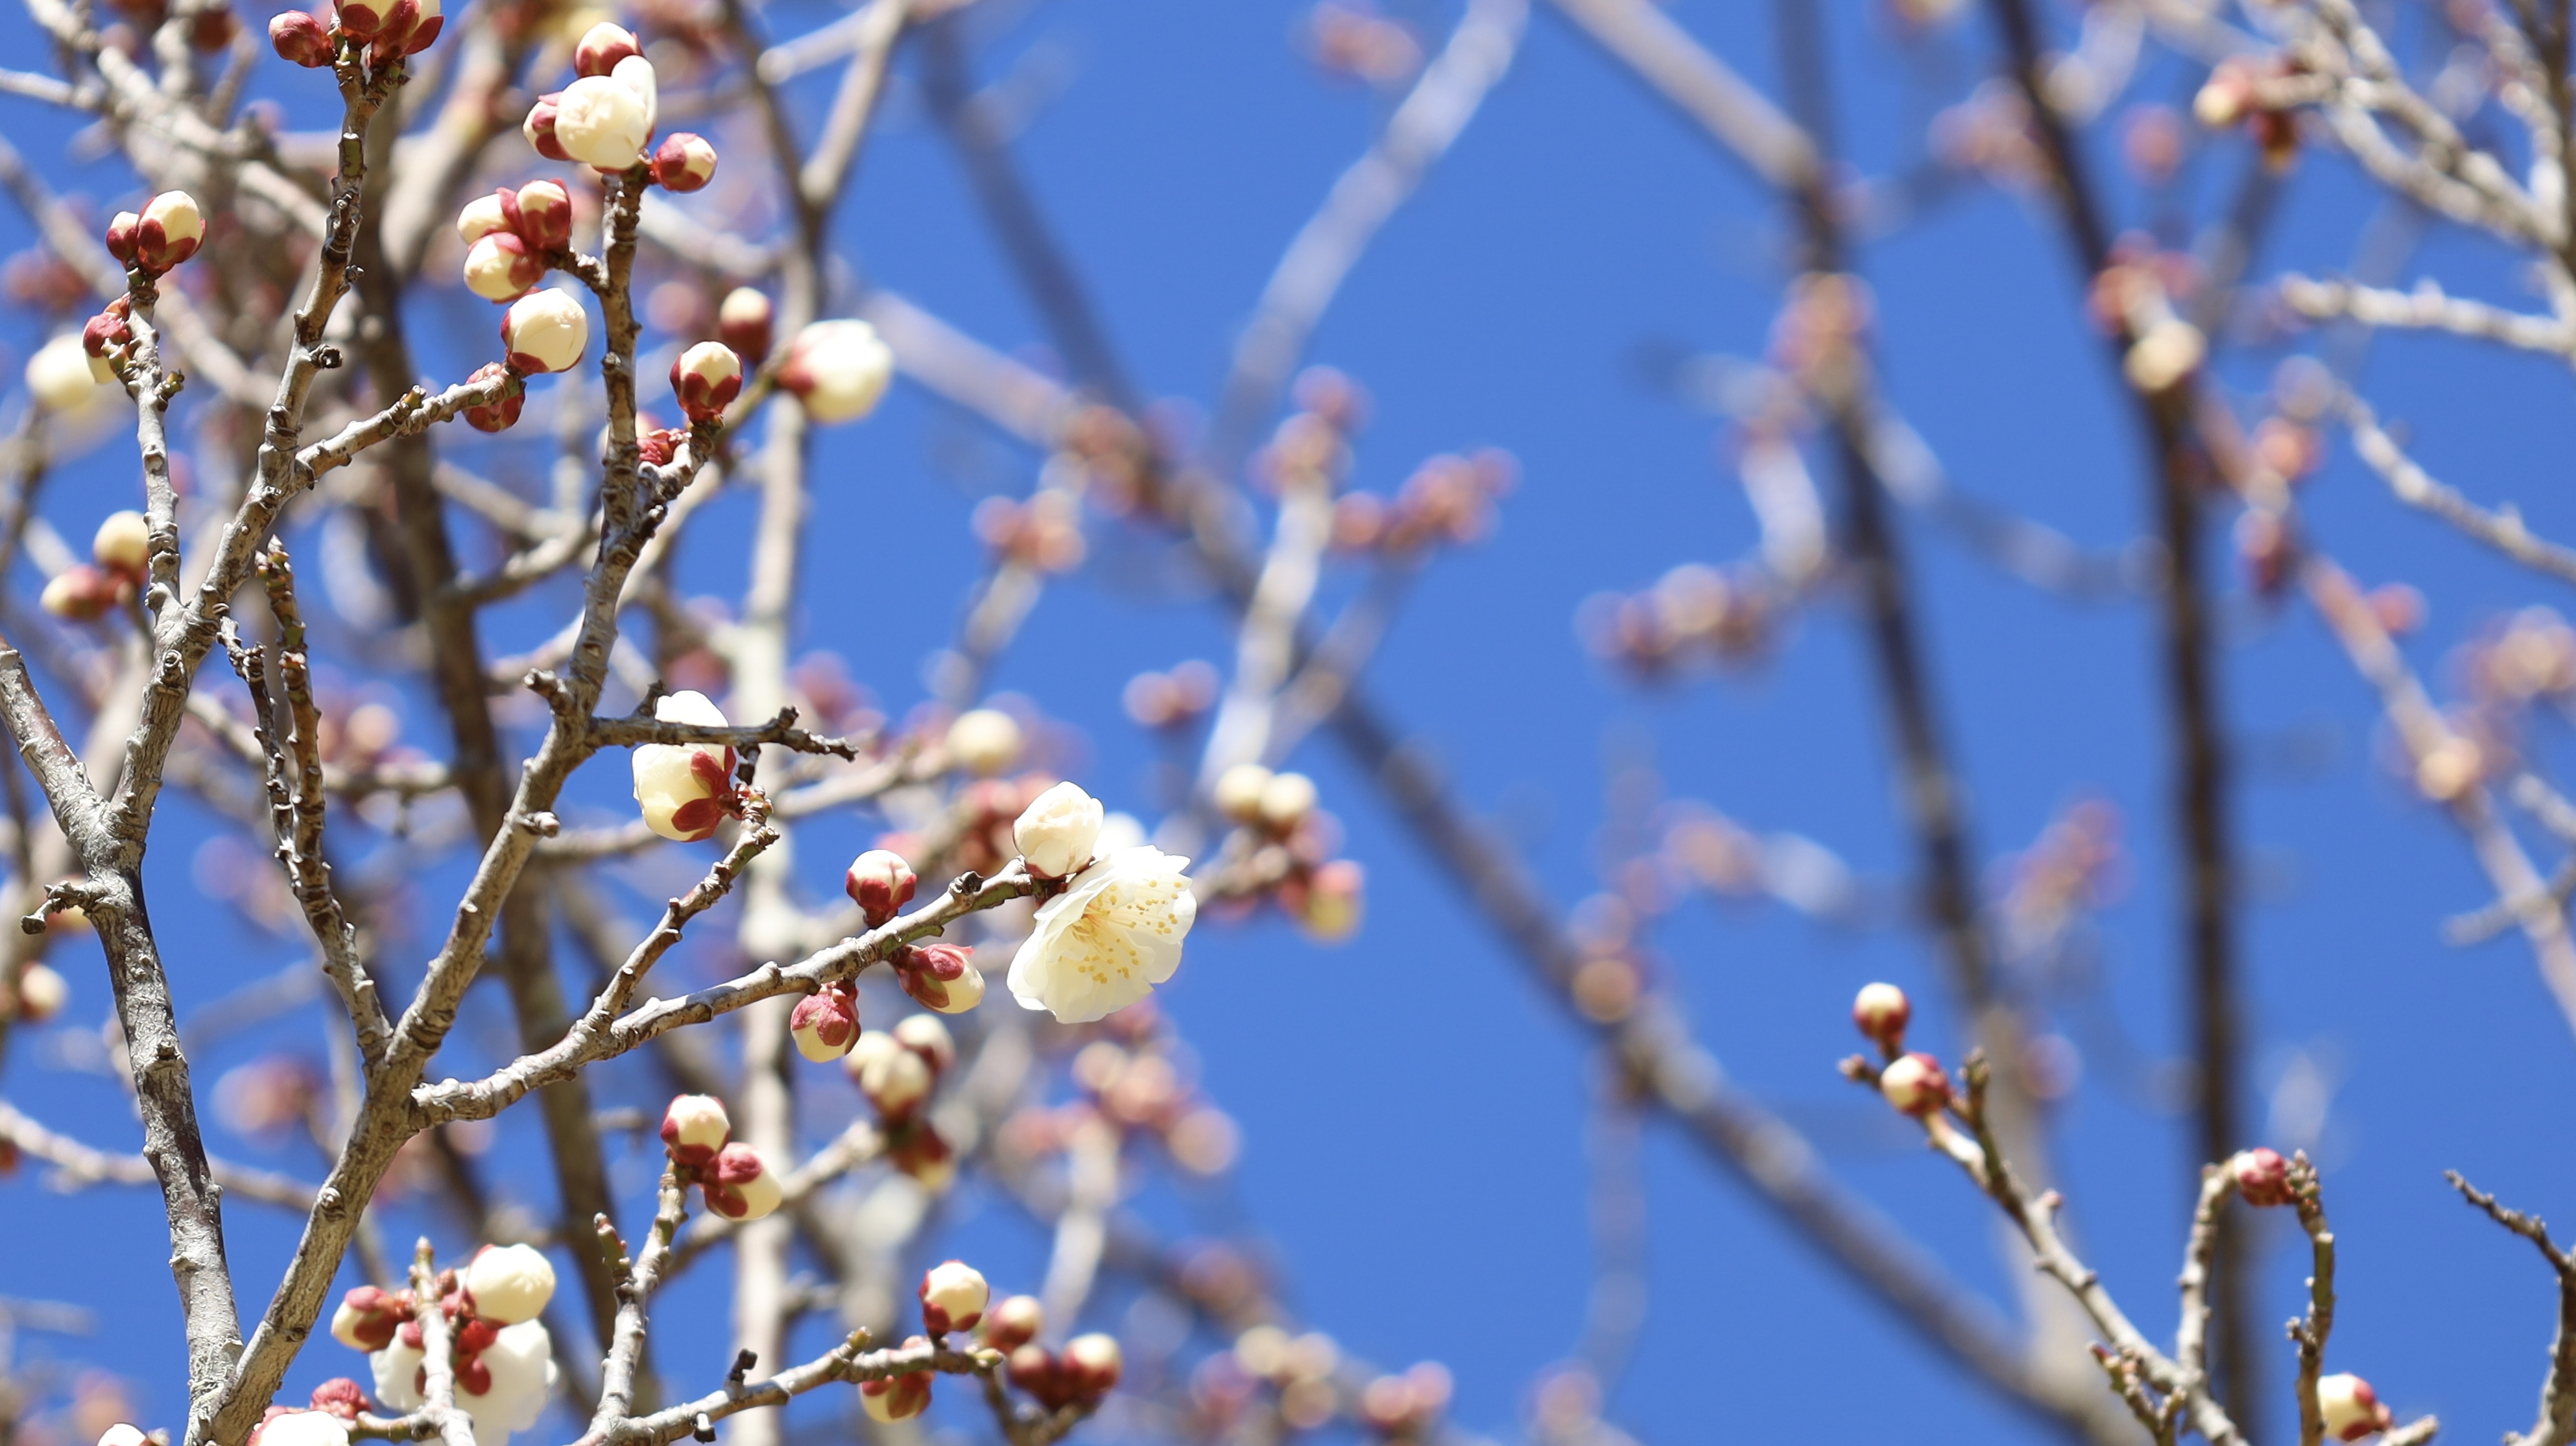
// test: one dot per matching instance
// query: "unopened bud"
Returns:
(1286, 800)
(425, 28)
(924, 1035)
(880, 883)
(1056, 832)
(953, 1296)
(63, 375)
(918, 1150)
(684, 162)
(122, 1434)
(41, 993)
(838, 369)
(544, 331)
(896, 1398)
(300, 39)
(1915, 1084)
(984, 741)
(486, 214)
(367, 1318)
(2166, 355)
(545, 215)
(1013, 1322)
(743, 322)
(706, 379)
(941, 976)
(340, 1396)
(123, 543)
(894, 1079)
(826, 1025)
(510, 1283)
(2350, 1408)
(499, 414)
(694, 1128)
(499, 268)
(80, 593)
(168, 231)
(2262, 1177)
(1095, 1362)
(1238, 791)
(1335, 899)
(1881, 1012)
(740, 1185)
(601, 47)
(539, 127)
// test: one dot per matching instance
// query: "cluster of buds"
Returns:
(1914, 1083)
(731, 1176)
(1300, 1369)
(686, 790)
(1086, 1369)
(502, 1287)
(2531, 656)
(839, 370)
(166, 232)
(387, 32)
(2232, 96)
(1694, 611)
(511, 236)
(1292, 843)
(1448, 499)
(1406, 1407)
(120, 553)
(108, 338)
(605, 118)
(2350, 1408)
(898, 1069)
(706, 378)
(1136, 1087)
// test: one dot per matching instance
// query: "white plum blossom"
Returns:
(1058, 831)
(838, 369)
(603, 121)
(122, 1434)
(521, 1360)
(1106, 941)
(682, 787)
(984, 741)
(510, 1283)
(304, 1428)
(953, 1296)
(544, 331)
(64, 377)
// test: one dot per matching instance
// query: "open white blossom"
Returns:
(521, 1360)
(1105, 942)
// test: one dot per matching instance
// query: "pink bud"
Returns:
(81, 593)
(544, 331)
(1038, 1372)
(213, 28)
(362, 19)
(825, 1025)
(1013, 1322)
(340, 1396)
(880, 883)
(299, 39)
(896, 1398)
(539, 127)
(368, 1318)
(109, 332)
(545, 214)
(1881, 1012)
(742, 322)
(121, 236)
(1095, 1363)
(953, 1295)
(168, 232)
(694, 1128)
(658, 446)
(1915, 1084)
(706, 378)
(685, 162)
(425, 30)
(602, 47)
(940, 976)
(501, 414)
(739, 1185)
(2262, 1177)
(915, 1148)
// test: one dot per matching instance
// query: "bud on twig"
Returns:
(838, 369)
(1881, 1012)
(2351, 1409)
(743, 321)
(825, 1025)
(880, 883)
(499, 267)
(1057, 831)
(2262, 1177)
(694, 1128)
(601, 47)
(509, 1284)
(544, 331)
(684, 162)
(953, 1295)
(740, 1185)
(940, 976)
(1915, 1084)
(706, 378)
(300, 39)
(896, 1398)
(894, 1079)
(502, 413)
(1013, 1322)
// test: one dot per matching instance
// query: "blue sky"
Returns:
(1413, 1108)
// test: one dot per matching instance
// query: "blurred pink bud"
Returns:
(300, 39)
(706, 378)
(657, 447)
(743, 321)
(896, 1398)
(1881, 1012)
(501, 413)
(1095, 1363)
(367, 1318)
(2350, 1407)
(1013, 1322)
(685, 162)
(880, 883)
(81, 592)
(924, 1035)
(1915, 1084)
(940, 977)
(953, 1296)
(123, 236)
(2262, 1177)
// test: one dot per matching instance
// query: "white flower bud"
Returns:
(2449, 769)
(984, 741)
(1881, 1012)
(510, 1283)
(481, 217)
(602, 47)
(741, 1185)
(1238, 791)
(171, 229)
(694, 1128)
(500, 268)
(1014, 1322)
(2350, 1407)
(742, 322)
(2262, 1177)
(838, 369)
(896, 1398)
(1286, 800)
(1057, 831)
(685, 162)
(544, 331)
(545, 215)
(61, 378)
(825, 1025)
(1915, 1084)
(303, 1428)
(705, 379)
(682, 787)
(2169, 352)
(604, 120)
(892, 1077)
(953, 1296)
(123, 543)
(964, 992)
(122, 1434)
(41, 993)
(924, 1035)
(1095, 1361)
(880, 883)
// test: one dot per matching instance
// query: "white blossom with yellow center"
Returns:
(1109, 938)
